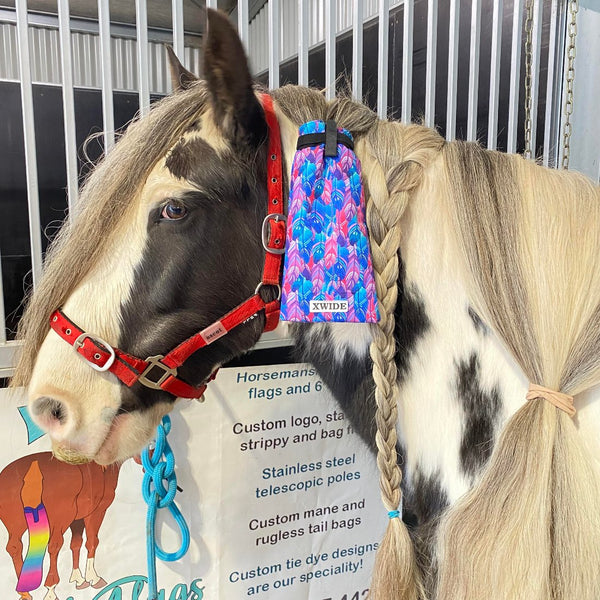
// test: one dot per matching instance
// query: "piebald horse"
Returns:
(489, 340)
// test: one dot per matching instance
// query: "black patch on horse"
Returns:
(428, 499)
(350, 382)
(196, 269)
(412, 322)
(480, 326)
(480, 410)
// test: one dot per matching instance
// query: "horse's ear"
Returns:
(238, 112)
(181, 78)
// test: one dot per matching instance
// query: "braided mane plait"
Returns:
(393, 157)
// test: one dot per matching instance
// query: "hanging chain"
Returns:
(567, 128)
(528, 153)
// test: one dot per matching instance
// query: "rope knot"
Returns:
(159, 487)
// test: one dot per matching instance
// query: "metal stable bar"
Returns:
(432, 19)
(177, 18)
(243, 17)
(330, 31)
(495, 75)
(66, 64)
(474, 70)
(451, 102)
(357, 50)
(536, 35)
(550, 143)
(303, 25)
(33, 203)
(515, 72)
(382, 58)
(108, 115)
(142, 56)
(273, 44)
(407, 60)
(2, 312)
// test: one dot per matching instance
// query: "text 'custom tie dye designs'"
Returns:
(328, 274)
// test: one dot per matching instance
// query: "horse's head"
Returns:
(168, 241)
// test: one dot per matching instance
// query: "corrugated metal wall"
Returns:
(85, 48)
(258, 47)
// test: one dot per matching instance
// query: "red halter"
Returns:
(160, 372)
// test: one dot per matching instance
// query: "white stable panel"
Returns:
(289, 17)
(585, 155)
(45, 52)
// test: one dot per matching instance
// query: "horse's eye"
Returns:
(173, 210)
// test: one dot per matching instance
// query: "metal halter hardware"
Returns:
(277, 217)
(155, 363)
(79, 342)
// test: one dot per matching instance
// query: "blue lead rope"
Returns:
(159, 488)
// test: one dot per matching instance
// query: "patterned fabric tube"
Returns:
(328, 274)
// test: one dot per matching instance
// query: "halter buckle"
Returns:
(155, 362)
(78, 343)
(266, 233)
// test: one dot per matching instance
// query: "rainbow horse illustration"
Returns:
(38, 526)
(45, 497)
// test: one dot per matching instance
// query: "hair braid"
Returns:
(391, 174)
(383, 219)
(395, 574)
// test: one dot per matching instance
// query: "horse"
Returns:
(488, 339)
(56, 496)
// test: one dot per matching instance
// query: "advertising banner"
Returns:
(280, 494)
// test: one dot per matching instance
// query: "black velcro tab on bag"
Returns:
(330, 139)
(307, 140)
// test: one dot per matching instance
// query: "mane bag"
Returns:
(327, 274)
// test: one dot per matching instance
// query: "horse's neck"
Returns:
(459, 384)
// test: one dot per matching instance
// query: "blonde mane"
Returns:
(530, 241)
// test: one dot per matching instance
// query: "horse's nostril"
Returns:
(51, 409)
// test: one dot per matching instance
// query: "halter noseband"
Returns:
(160, 372)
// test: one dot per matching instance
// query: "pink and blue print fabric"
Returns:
(327, 254)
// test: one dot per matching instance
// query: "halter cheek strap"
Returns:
(160, 372)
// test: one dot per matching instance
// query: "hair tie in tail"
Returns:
(38, 528)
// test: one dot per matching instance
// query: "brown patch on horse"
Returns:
(182, 161)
